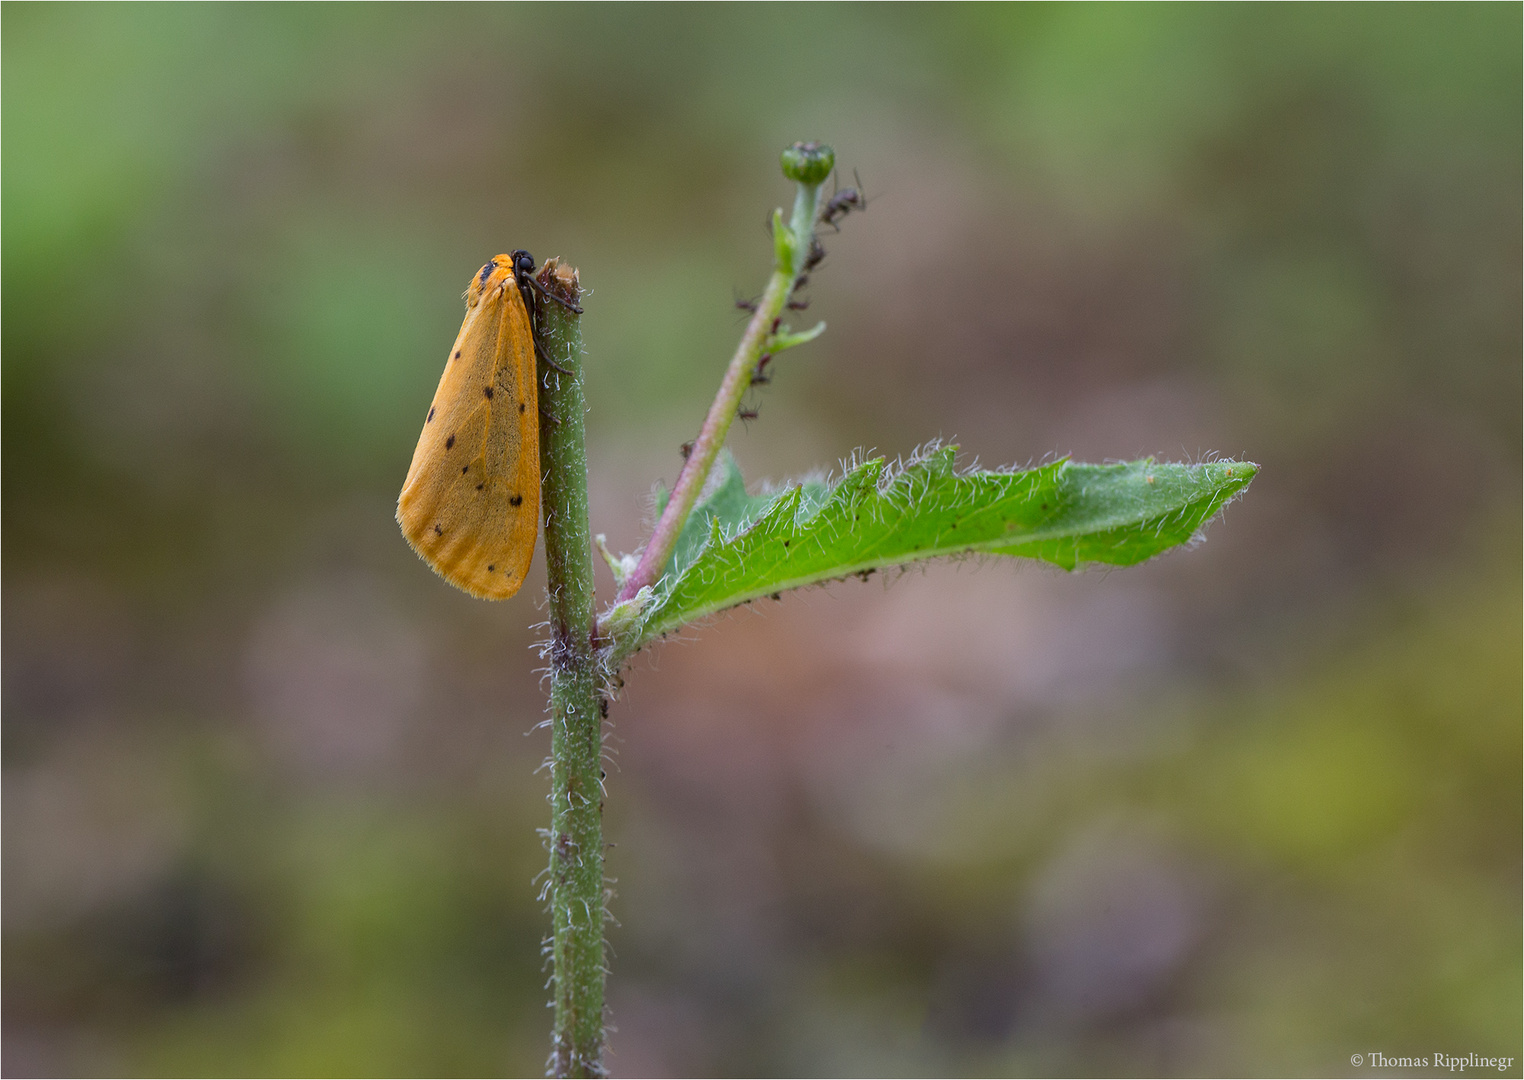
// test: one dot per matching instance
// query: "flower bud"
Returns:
(808, 162)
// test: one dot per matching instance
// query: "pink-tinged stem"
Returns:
(690, 481)
(808, 165)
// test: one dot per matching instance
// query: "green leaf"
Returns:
(723, 499)
(785, 338)
(737, 547)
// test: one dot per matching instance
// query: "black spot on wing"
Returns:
(450, 442)
(515, 500)
(488, 391)
(521, 406)
(430, 417)
(437, 530)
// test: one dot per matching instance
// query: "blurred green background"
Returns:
(269, 785)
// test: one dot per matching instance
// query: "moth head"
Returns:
(489, 277)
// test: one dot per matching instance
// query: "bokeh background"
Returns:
(270, 790)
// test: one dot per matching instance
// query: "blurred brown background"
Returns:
(269, 793)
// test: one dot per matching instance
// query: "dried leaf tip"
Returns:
(561, 280)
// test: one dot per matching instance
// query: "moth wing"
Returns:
(471, 502)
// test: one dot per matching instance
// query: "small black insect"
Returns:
(842, 202)
(817, 254)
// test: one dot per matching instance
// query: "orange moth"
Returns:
(470, 505)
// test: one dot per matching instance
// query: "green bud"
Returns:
(808, 162)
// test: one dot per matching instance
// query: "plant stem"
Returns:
(575, 885)
(791, 251)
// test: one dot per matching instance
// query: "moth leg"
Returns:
(575, 309)
(539, 350)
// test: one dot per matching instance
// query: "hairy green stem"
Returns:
(791, 253)
(576, 885)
